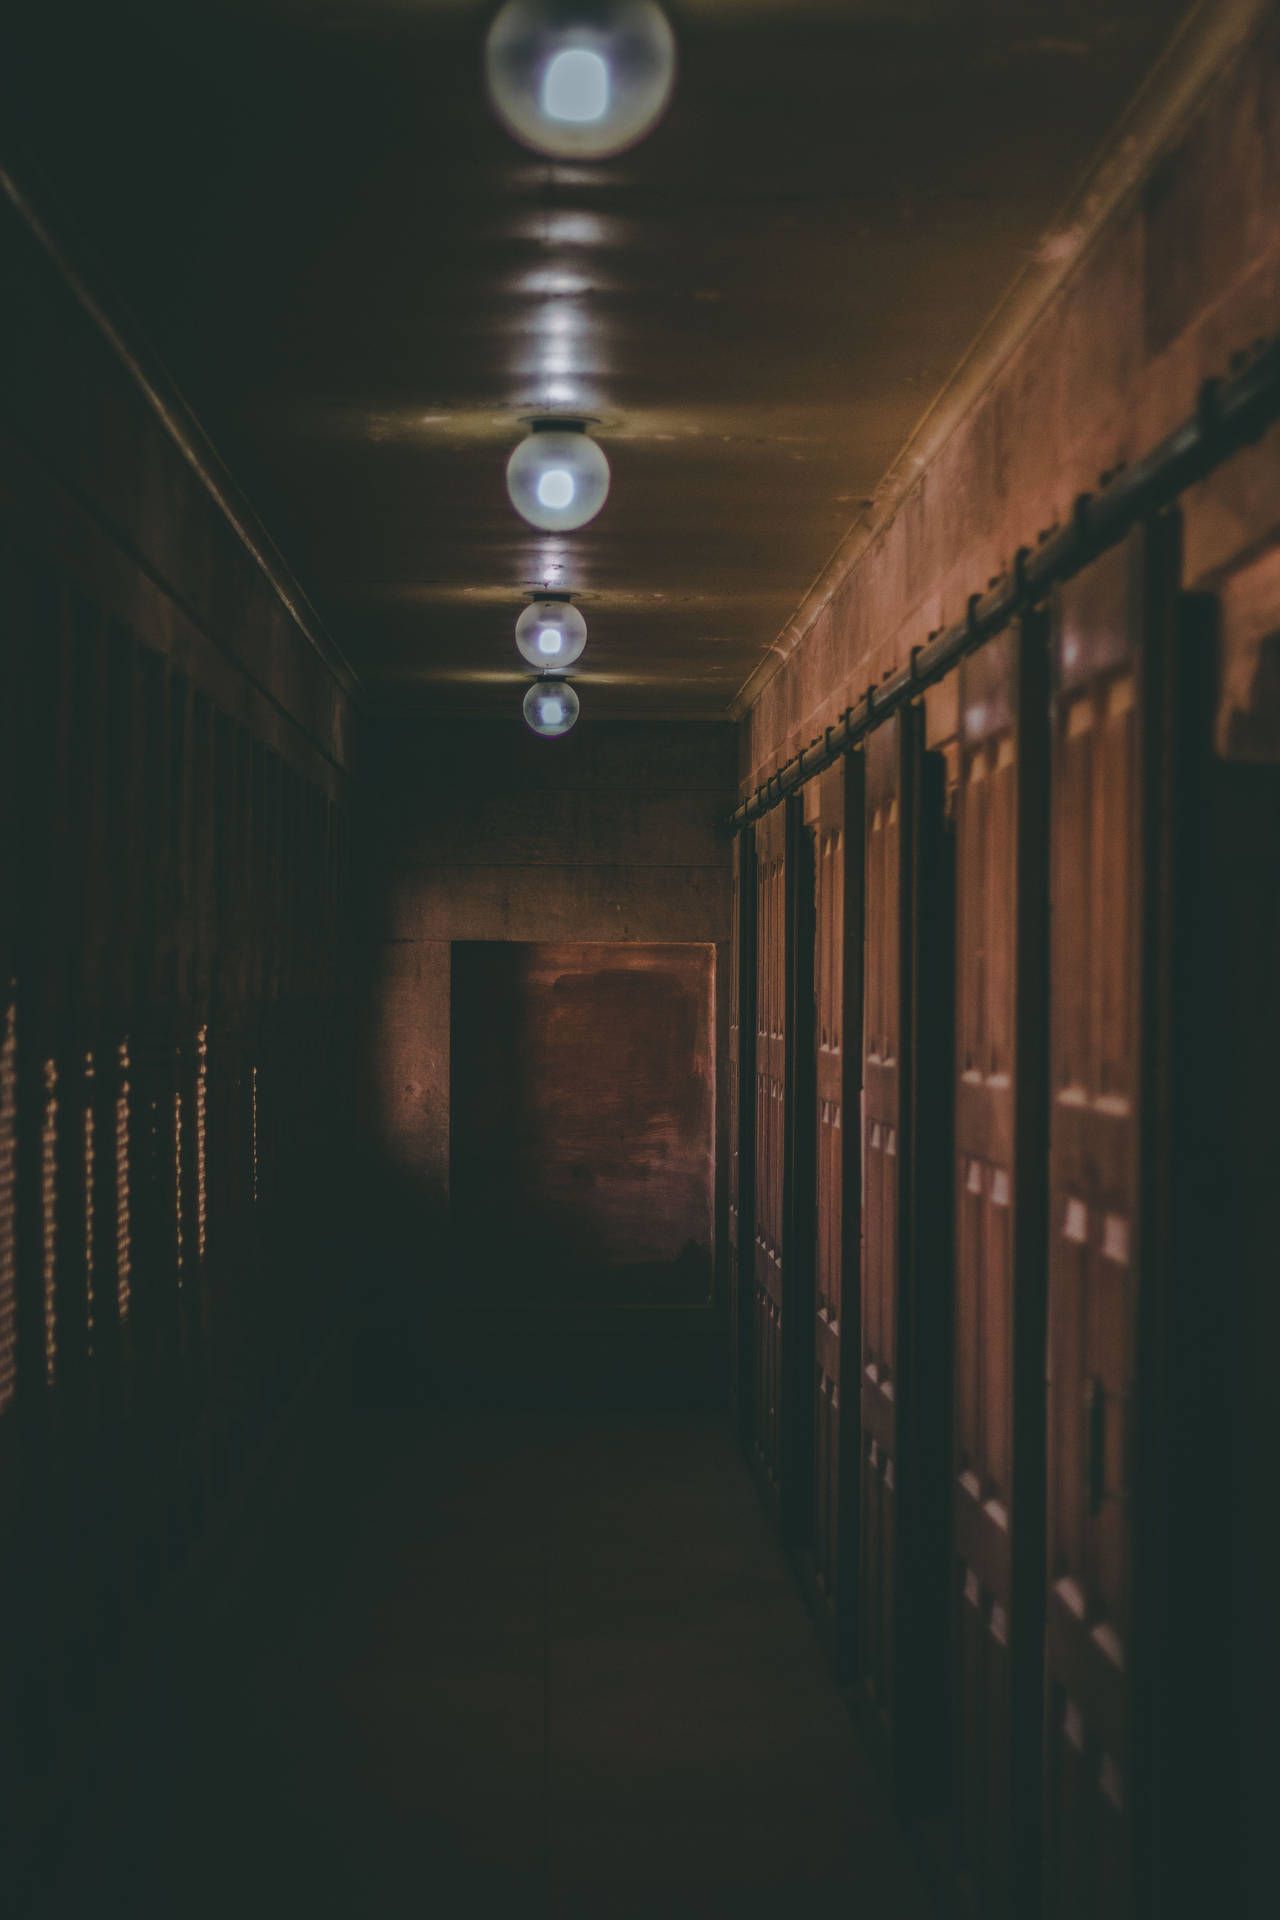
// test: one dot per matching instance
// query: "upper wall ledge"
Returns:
(1207, 40)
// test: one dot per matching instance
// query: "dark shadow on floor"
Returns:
(529, 1665)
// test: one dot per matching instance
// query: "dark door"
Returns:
(770, 1142)
(834, 822)
(998, 1266)
(742, 981)
(882, 1083)
(1104, 628)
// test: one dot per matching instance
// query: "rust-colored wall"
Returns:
(583, 1120)
(480, 832)
(1183, 278)
(1184, 275)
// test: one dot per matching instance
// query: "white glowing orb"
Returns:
(576, 86)
(580, 79)
(555, 489)
(551, 629)
(550, 707)
(557, 477)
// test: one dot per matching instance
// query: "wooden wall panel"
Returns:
(771, 1133)
(834, 818)
(998, 1268)
(882, 1130)
(735, 1054)
(741, 1053)
(1102, 652)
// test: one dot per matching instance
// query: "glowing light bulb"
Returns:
(555, 488)
(580, 81)
(558, 478)
(576, 86)
(551, 629)
(551, 707)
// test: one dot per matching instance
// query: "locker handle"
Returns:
(1095, 1424)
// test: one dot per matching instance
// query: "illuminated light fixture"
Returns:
(551, 633)
(558, 478)
(551, 707)
(575, 86)
(580, 79)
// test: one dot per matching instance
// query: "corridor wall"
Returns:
(1054, 1241)
(175, 750)
(597, 865)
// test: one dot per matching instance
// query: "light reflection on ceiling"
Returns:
(362, 284)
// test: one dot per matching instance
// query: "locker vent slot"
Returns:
(8, 1223)
(253, 1130)
(124, 1226)
(49, 1217)
(178, 1248)
(202, 1142)
(90, 1160)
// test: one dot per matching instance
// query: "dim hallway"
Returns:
(547, 1664)
(639, 805)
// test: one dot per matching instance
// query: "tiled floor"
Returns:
(537, 1666)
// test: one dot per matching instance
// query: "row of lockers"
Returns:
(981, 1378)
(172, 1056)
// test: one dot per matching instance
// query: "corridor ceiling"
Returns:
(361, 284)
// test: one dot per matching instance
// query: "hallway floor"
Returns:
(537, 1665)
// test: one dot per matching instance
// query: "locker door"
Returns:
(1103, 627)
(997, 1265)
(742, 1001)
(882, 1188)
(770, 1141)
(834, 819)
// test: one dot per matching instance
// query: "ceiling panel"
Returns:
(361, 284)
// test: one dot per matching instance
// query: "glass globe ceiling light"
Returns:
(551, 706)
(558, 478)
(580, 79)
(551, 632)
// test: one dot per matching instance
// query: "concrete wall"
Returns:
(1185, 274)
(475, 831)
